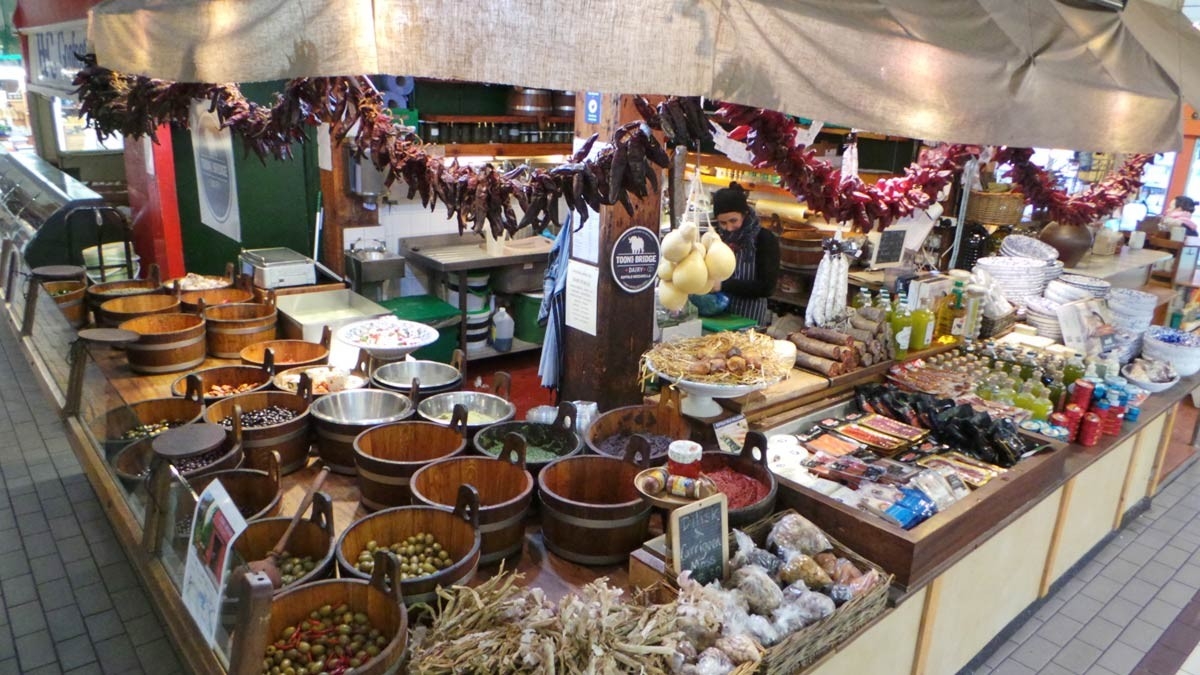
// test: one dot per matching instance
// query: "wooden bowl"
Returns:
(388, 455)
(191, 301)
(112, 425)
(113, 313)
(98, 294)
(255, 492)
(132, 464)
(313, 537)
(168, 343)
(592, 513)
(379, 598)
(457, 531)
(288, 353)
(291, 439)
(746, 463)
(257, 379)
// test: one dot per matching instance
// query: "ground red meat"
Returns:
(741, 490)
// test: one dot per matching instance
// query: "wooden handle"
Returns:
(322, 512)
(326, 337)
(637, 447)
(514, 449)
(269, 361)
(237, 424)
(458, 419)
(467, 506)
(502, 385)
(155, 275)
(386, 575)
(193, 389)
(229, 271)
(414, 391)
(304, 504)
(273, 461)
(304, 387)
(459, 361)
(363, 365)
(567, 416)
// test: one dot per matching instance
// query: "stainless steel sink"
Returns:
(367, 266)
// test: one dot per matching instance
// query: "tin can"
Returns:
(1060, 420)
(1132, 413)
(1081, 393)
(1089, 430)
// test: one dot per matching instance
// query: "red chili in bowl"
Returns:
(741, 490)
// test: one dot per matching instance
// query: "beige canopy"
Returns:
(1021, 72)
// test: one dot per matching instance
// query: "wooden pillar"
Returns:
(341, 209)
(604, 367)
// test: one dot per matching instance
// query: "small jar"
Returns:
(683, 459)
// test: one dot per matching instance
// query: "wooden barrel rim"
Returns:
(450, 517)
(553, 466)
(194, 322)
(444, 464)
(224, 408)
(267, 311)
(461, 443)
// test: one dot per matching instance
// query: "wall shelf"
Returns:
(507, 149)
(499, 119)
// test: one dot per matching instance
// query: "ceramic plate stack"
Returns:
(1017, 278)
(1053, 270)
(1132, 311)
(1099, 288)
(1042, 314)
(1178, 348)
(1061, 292)
(1129, 345)
(1020, 246)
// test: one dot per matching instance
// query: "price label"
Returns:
(699, 535)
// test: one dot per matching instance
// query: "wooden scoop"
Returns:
(270, 565)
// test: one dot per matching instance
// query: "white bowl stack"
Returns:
(1042, 314)
(1017, 278)
(1129, 345)
(1020, 246)
(1061, 292)
(1132, 310)
(1099, 288)
(1178, 348)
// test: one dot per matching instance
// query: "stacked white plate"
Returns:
(1132, 310)
(1020, 246)
(1129, 345)
(1099, 288)
(1178, 348)
(1017, 278)
(1053, 270)
(1061, 292)
(1042, 314)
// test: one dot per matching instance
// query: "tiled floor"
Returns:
(71, 601)
(1111, 617)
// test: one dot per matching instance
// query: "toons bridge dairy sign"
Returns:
(635, 259)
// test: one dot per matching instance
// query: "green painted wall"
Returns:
(277, 200)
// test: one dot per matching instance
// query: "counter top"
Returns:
(435, 253)
(1107, 266)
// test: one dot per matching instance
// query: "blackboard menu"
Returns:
(890, 248)
(699, 535)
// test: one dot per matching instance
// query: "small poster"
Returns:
(635, 259)
(699, 538)
(591, 107)
(215, 523)
(1087, 326)
(583, 284)
(216, 181)
(731, 433)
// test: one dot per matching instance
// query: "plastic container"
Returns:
(502, 330)
(525, 313)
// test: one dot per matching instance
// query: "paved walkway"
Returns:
(71, 601)
(1121, 612)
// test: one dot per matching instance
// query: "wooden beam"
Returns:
(1133, 457)
(933, 597)
(1163, 443)
(1059, 520)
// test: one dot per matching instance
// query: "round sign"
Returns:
(635, 259)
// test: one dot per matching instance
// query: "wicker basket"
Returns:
(989, 328)
(995, 208)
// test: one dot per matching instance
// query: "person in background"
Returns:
(1180, 213)
(756, 250)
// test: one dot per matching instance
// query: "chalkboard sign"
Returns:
(890, 247)
(700, 538)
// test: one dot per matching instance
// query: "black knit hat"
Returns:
(1181, 202)
(729, 200)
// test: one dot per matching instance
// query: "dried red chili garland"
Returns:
(135, 106)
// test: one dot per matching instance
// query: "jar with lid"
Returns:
(683, 459)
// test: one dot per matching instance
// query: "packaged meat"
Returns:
(883, 442)
(889, 426)
(830, 443)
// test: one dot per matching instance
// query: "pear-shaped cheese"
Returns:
(671, 297)
(709, 237)
(676, 246)
(720, 261)
(665, 268)
(690, 275)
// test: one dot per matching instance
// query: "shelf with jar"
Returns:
(496, 129)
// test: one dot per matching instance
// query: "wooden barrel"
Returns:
(169, 343)
(68, 295)
(380, 599)
(132, 464)
(457, 531)
(801, 249)
(663, 419)
(748, 464)
(119, 310)
(234, 327)
(254, 491)
(313, 537)
(110, 427)
(341, 416)
(98, 294)
(187, 283)
(291, 439)
(234, 377)
(532, 102)
(388, 455)
(591, 512)
(564, 103)
(193, 301)
(554, 441)
(288, 353)
(505, 493)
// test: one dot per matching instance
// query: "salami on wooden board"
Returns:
(818, 348)
(818, 365)
(830, 336)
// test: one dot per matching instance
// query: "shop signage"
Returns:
(52, 62)
(699, 536)
(635, 259)
(215, 523)
(591, 107)
(216, 180)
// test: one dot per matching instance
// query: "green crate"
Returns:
(525, 313)
(442, 349)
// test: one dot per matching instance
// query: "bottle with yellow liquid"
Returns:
(884, 301)
(1024, 398)
(1004, 391)
(1041, 406)
(1073, 370)
(953, 313)
(902, 326)
(922, 326)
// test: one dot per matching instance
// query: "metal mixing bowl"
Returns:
(435, 377)
(362, 407)
(439, 408)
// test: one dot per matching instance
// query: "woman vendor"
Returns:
(756, 249)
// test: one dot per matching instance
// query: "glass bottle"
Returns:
(1028, 365)
(902, 326)
(884, 301)
(1004, 391)
(922, 326)
(1055, 390)
(1024, 397)
(1042, 405)
(953, 313)
(863, 299)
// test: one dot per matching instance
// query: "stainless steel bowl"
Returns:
(362, 407)
(435, 377)
(494, 408)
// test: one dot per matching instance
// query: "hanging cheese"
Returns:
(690, 275)
(671, 297)
(665, 268)
(710, 237)
(720, 261)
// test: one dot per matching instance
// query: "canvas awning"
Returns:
(1020, 72)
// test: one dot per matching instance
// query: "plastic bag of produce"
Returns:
(761, 592)
(796, 533)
